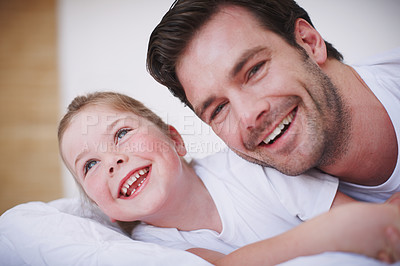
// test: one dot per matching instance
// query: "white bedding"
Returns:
(59, 233)
(37, 233)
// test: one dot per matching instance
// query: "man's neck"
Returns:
(372, 153)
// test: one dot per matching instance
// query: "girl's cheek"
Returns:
(94, 190)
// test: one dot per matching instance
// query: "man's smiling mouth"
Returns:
(134, 182)
(281, 128)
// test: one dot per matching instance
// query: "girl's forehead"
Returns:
(105, 116)
(94, 125)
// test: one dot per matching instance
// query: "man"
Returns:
(279, 95)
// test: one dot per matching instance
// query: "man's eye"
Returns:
(255, 69)
(88, 165)
(120, 134)
(217, 111)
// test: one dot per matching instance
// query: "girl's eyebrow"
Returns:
(111, 126)
(78, 158)
(109, 129)
(122, 120)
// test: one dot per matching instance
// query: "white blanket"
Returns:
(37, 233)
(60, 233)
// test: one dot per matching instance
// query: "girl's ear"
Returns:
(309, 38)
(178, 141)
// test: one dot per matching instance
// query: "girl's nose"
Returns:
(114, 166)
(115, 162)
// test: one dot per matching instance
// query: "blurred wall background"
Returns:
(53, 50)
(29, 102)
(103, 46)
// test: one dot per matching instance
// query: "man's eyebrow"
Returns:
(246, 56)
(200, 111)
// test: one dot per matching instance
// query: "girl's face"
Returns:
(125, 163)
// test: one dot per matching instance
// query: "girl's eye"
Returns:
(120, 134)
(255, 69)
(89, 165)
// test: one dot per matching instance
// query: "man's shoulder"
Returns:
(390, 57)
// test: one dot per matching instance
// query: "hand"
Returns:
(392, 254)
(392, 234)
(394, 199)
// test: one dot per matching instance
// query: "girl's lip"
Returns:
(122, 182)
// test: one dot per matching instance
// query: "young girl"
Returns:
(129, 163)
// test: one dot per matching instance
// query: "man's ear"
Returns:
(178, 141)
(309, 38)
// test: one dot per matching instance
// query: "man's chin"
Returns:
(290, 169)
(251, 159)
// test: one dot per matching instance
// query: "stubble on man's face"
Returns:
(328, 126)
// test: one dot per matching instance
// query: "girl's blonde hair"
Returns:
(117, 101)
(114, 100)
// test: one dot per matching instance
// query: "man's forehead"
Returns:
(215, 54)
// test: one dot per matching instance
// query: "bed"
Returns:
(61, 233)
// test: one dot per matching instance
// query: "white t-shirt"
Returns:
(382, 75)
(254, 203)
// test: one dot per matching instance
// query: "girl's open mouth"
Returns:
(134, 182)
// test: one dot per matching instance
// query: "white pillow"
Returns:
(60, 233)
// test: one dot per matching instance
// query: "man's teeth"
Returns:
(279, 129)
(128, 183)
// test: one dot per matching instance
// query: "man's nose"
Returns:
(251, 111)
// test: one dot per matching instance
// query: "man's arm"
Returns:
(357, 227)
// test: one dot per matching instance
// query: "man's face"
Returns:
(266, 99)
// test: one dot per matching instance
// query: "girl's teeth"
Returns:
(141, 182)
(131, 180)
